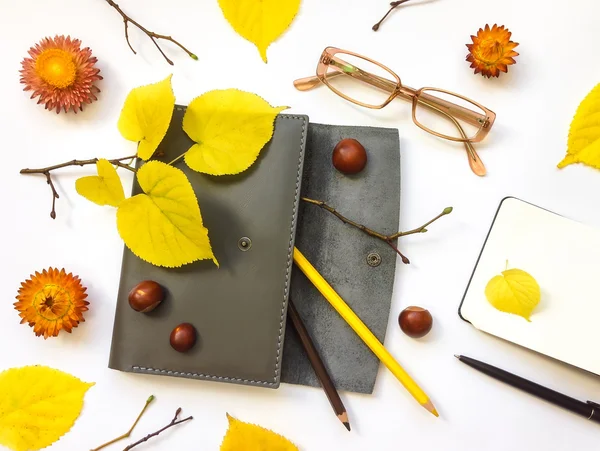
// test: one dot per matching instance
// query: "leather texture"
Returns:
(339, 252)
(239, 309)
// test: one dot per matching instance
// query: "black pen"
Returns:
(589, 409)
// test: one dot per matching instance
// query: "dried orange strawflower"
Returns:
(492, 51)
(52, 301)
(61, 73)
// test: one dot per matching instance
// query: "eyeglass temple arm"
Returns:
(308, 83)
(406, 92)
(475, 162)
(454, 110)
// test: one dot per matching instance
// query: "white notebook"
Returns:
(564, 257)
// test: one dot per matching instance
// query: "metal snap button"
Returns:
(244, 244)
(373, 259)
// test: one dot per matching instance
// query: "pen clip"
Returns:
(595, 405)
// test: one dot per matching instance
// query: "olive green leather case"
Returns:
(239, 309)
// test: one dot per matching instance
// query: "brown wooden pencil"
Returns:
(318, 366)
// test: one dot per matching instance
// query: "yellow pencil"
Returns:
(362, 330)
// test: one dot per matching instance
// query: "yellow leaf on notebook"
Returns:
(38, 405)
(146, 116)
(584, 134)
(163, 226)
(230, 128)
(249, 437)
(515, 291)
(102, 189)
(260, 22)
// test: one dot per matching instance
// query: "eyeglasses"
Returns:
(370, 84)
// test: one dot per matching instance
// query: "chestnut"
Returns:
(146, 296)
(349, 156)
(415, 322)
(183, 337)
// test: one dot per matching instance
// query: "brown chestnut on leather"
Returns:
(146, 296)
(349, 156)
(183, 337)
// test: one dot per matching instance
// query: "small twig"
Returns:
(126, 22)
(46, 172)
(422, 229)
(393, 6)
(54, 195)
(128, 433)
(174, 422)
(177, 159)
(153, 36)
(405, 260)
(345, 220)
(115, 161)
(386, 238)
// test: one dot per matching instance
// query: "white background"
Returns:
(425, 44)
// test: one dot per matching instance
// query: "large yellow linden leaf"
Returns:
(146, 116)
(230, 128)
(515, 291)
(164, 225)
(260, 22)
(249, 437)
(102, 189)
(584, 134)
(38, 405)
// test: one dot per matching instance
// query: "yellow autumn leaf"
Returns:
(230, 128)
(38, 405)
(515, 291)
(260, 22)
(163, 226)
(249, 437)
(584, 134)
(146, 116)
(102, 189)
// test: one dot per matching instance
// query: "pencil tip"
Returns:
(457, 356)
(429, 406)
(343, 417)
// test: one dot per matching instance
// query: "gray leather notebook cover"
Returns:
(239, 309)
(339, 252)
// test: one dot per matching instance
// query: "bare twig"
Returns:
(174, 422)
(421, 229)
(46, 172)
(386, 238)
(405, 260)
(345, 220)
(54, 195)
(393, 6)
(126, 22)
(115, 161)
(153, 36)
(128, 433)
(175, 160)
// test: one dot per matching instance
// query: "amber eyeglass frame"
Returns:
(484, 121)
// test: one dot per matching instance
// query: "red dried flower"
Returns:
(61, 74)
